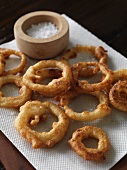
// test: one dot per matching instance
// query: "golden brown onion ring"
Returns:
(117, 95)
(6, 53)
(56, 86)
(84, 69)
(107, 80)
(99, 52)
(35, 110)
(17, 101)
(101, 111)
(97, 154)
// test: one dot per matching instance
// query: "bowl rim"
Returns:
(18, 31)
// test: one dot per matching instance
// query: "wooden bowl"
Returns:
(41, 48)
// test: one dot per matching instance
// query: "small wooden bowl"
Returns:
(41, 48)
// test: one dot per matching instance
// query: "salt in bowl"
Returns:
(41, 48)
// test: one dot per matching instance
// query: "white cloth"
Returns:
(61, 156)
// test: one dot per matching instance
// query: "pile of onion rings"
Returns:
(9, 76)
(64, 86)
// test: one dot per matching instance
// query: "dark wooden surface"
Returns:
(106, 19)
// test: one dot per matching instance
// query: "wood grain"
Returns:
(11, 157)
(106, 19)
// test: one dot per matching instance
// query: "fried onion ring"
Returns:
(97, 154)
(6, 53)
(117, 95)
(99, 52)
(56, 86)
(101, 85)
(35, 110)
(83, 69)
(101, 111)
(14, 102)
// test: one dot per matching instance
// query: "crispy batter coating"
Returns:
(117, 95)
(118, 90)
(17, 101)
(83, 69)
(34, 111)
(4, 54)
(2, 64)
(56, 86)
(48, 73)
(99, 52)
(96, 154)
(119, 75)
(101, 110)
(107, 80)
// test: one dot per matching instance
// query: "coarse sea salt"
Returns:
(42, 30)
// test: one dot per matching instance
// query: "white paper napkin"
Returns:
(61, 156)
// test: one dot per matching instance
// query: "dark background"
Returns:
(107, 19)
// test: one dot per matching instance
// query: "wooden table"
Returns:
(106, 19)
